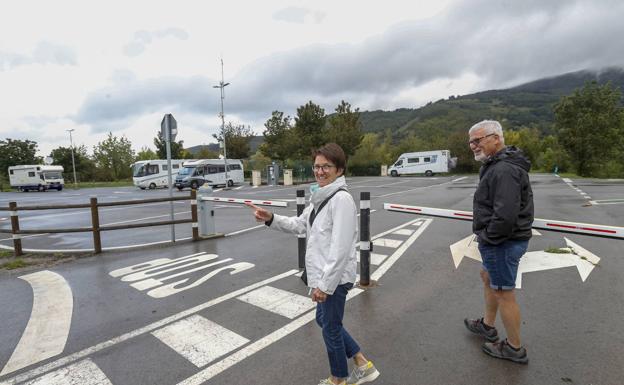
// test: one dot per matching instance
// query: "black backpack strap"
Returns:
(314, 213)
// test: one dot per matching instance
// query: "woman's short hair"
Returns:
(334, 154)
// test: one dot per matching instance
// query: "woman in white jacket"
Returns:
(330, 260)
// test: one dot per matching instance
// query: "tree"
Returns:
(177, 148)
(278, 137)
(14, 152)
(236, 140)
(85, 168)
(309, 129)
(146, 153)
(205, 153)
(113, 157)
(590, 125)
(345, 129)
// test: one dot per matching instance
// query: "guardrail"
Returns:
(95, 228)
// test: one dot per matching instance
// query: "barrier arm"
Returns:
(538, 223)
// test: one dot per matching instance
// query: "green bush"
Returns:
(365, 169)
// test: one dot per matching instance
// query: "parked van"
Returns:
(425, 162)
(36, 177)
(211, 171)
(153, 173)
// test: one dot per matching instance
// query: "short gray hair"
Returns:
(491, 127)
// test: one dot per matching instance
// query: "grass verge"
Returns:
(10, 262)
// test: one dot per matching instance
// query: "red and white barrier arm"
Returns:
(538, 223)
(257, 202)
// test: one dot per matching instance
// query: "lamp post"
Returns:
(221, 86)
(71, 142)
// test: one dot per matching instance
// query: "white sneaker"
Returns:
(362, 374)
(328, 381)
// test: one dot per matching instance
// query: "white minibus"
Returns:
(211, 171)
(153, 173)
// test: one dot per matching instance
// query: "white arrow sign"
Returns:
(572, 255)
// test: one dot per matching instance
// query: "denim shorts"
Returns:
(501, 262)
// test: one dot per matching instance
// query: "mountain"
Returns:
(254, 143)
(529, 104)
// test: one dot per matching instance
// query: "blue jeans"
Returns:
(340, 346)
(501, 262)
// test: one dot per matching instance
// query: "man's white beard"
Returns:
(481, 157)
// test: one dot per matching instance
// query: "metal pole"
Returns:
(221, 86)
(71, 142)
(194, 215)
(365, 243)
(95, 223)
(301, 238)
(17, 241)
(170, 184)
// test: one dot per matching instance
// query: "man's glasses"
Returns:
(324, 167)
(476, 141)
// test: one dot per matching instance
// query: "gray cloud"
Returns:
(144, 38)
(501, 43)
(298, 15)
(44, 53)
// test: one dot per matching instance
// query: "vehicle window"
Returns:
(399, 162)
(212, 169)
(434, 158)
(234, 167)
(413, 160)
(152, 169)
(31, 173)
(175, 166)
(221, 168)
(164, 166)
(11, 172)
(199, 171)
(427, 159)
(187, 171)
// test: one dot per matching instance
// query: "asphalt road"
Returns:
(215, 318)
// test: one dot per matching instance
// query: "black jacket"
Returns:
(503, 202)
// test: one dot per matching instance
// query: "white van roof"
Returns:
(203, 162)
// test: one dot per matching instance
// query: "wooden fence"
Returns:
(95, 227)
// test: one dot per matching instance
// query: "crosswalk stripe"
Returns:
(385, 242)
(404, 232)
(199, 340)
(278, 301)
(85, 372)
(375, 259)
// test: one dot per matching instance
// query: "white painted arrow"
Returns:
(584, 260)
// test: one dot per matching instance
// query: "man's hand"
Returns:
(261, 214)
(318, 296)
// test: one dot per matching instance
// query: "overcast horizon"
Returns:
(120, 67)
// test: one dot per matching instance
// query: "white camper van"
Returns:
(36, 177)
(153, 173)
(425, 162)
(211, 171)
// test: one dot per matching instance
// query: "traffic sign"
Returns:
(169, 128)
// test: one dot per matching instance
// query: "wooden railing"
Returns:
(95, 227)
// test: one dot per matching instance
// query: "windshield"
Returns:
(187, 171)
(53, 175)
(144, 170)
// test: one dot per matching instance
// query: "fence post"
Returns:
(365, 243)
(95, 222)
(194, 215)
(301, 238)
(17, 241)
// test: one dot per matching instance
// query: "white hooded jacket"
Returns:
(331, 241)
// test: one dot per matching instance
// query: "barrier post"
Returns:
(95, 223)
(365, 243)
(194, 215)
(17, 241)
(302, 238)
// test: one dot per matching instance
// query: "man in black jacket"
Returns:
(502, 221)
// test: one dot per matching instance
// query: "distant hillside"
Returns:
(254, 143)
(528, 104)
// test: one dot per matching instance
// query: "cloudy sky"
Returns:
(119, 66)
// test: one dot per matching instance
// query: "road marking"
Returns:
(50, 319)
(404, 232)
(238, 188)
(414, 189)
(385, 242)
(146, 329)
(249, 350)
(375, 259)
(199, 340)
(278, 301)
(608, 201)
(458, 179)
(83, 373)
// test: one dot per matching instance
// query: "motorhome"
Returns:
(426, 162)
(36, 177)
(154, 173)
(210, 171)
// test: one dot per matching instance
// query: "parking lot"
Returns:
(134, 316)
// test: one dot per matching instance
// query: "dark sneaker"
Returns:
(503, 350)
(476, 326)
